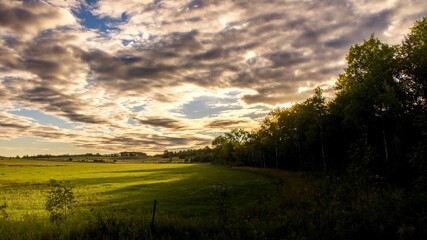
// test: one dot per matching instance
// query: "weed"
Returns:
(3, 212)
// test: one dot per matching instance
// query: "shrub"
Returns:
(60, 201)
(221, 199)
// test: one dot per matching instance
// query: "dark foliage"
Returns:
(377, 119)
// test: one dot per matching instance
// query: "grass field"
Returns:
(115, 201)
(181, 189)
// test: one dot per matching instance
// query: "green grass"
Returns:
(115, 202)
(181, 190)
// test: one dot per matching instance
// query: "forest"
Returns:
(377, 119)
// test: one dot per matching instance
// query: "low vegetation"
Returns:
(200, 201)
(103, 200)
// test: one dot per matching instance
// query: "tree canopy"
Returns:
(377, 118)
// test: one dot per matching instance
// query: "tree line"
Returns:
(205, 154)
(377, 118)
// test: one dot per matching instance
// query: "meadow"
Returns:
(114, 200)
(181, 189)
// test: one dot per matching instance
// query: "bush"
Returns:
(60, 202)
(221, 200)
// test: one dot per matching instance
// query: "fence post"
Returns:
(154, 214)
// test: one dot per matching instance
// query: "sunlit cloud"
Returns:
(148, 75)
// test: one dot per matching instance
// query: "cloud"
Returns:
(28, 18)
(163, 122)
(175, 72)
(225, 124)
(14, 126)
(285, 45)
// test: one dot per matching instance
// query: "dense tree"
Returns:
(369, 96)
(377, 119)
(413, 53)
(230, 147)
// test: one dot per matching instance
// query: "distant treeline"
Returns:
(63, 155)
(191, 155)
(121, 154)
(377, 119)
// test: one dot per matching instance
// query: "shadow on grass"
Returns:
(147, 170)
(161, 174)
(180, 191)
(184, 192)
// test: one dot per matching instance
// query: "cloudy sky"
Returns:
(147, 75)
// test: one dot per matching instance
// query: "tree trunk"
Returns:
(277, 155)
(323, 147)
(385, 147)
(253, 158)
(300, 154)
(263, 160)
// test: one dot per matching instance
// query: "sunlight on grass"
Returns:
(181, 189)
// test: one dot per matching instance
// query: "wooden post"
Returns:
(154, 214)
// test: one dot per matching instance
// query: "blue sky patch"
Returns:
(45, 119)
(138, 108)
(202, 107)
(102, 24)
(132, 122)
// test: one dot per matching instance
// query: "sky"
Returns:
(148, 75)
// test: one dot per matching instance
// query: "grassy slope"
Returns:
(181, 189)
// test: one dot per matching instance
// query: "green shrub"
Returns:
(60, 202)
(221, 202)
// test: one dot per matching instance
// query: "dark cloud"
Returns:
(50, 56)
(309, 37)
(183, 21)
(244, 79)
(162, 122)
(127, 140)
(129, 72)
(338, 42)
(17, 18)
(30, 17)
(286, 58)
(375, 21)
(267, 18)
(13, 125)
(53, 101)
(44, 68)
(210, 55)
(224, 123)
(179, 41)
